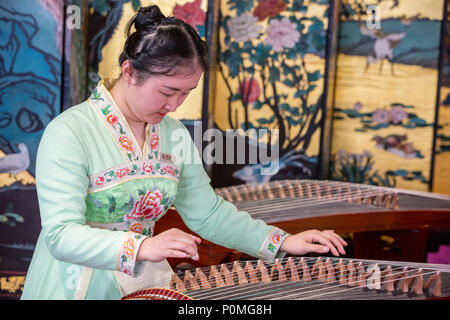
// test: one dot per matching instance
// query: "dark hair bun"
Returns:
(147, 17)
(162, 45)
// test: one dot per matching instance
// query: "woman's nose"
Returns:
(174, 102)
(171, 106)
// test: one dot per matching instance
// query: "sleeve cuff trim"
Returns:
(272, 244)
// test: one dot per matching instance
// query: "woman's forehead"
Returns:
(176, 82)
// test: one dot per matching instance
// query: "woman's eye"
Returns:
(166, 94)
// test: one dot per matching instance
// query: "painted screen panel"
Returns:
(386, 85)
(29, 99)
(272, 59)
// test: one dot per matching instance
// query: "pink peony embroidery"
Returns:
(100, 181)
(148, 206)
(147, 168)
(169, 170)
(122, 172)
(154, 141)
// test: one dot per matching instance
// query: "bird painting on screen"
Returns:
(14, 163)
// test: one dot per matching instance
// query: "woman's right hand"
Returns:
(172, 243)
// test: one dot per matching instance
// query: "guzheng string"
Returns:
(322, 195)
(299, 186)
(310, 290)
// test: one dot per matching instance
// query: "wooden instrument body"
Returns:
(347, 210)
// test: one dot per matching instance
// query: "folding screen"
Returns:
(30, 96)
(386, 93)
(271, 89)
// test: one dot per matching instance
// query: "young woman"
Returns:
(109, 168)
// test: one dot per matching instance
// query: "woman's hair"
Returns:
(162, 45)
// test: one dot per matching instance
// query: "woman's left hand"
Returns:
(314, 241)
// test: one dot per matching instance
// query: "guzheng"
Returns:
(301, 278)
(285, 200)
(296, 205)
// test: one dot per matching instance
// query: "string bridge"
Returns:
(343, 276)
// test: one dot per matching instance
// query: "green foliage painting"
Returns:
(263, 57)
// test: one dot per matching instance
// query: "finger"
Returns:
(172, 253)
(185, 236)
(331, 232)
(181, 238)
(311, 247)
(188, 248)
(322, 239)
(336, 240)
(196, 239)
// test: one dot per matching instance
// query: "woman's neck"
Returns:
(118, 93)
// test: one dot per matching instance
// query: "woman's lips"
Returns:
(161, 114)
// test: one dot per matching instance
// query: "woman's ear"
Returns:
(127, 73)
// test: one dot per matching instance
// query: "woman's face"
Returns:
(151, 99)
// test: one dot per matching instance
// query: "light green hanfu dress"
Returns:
(100, 196)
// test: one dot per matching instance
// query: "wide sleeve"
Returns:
(218, 220)
(62, 184)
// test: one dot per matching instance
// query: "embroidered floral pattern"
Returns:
(114, 121)
(147, 207)
(123, 172)
(141, 206)
(170, 170)
(116, 211)
(272, 244)
(126, 143)
(147, 167)
(150, 168)
(99, 181)
(154, 141)
(144, 227)
(128, 251)
(137, 227)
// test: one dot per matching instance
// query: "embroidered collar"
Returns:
(103, 104)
